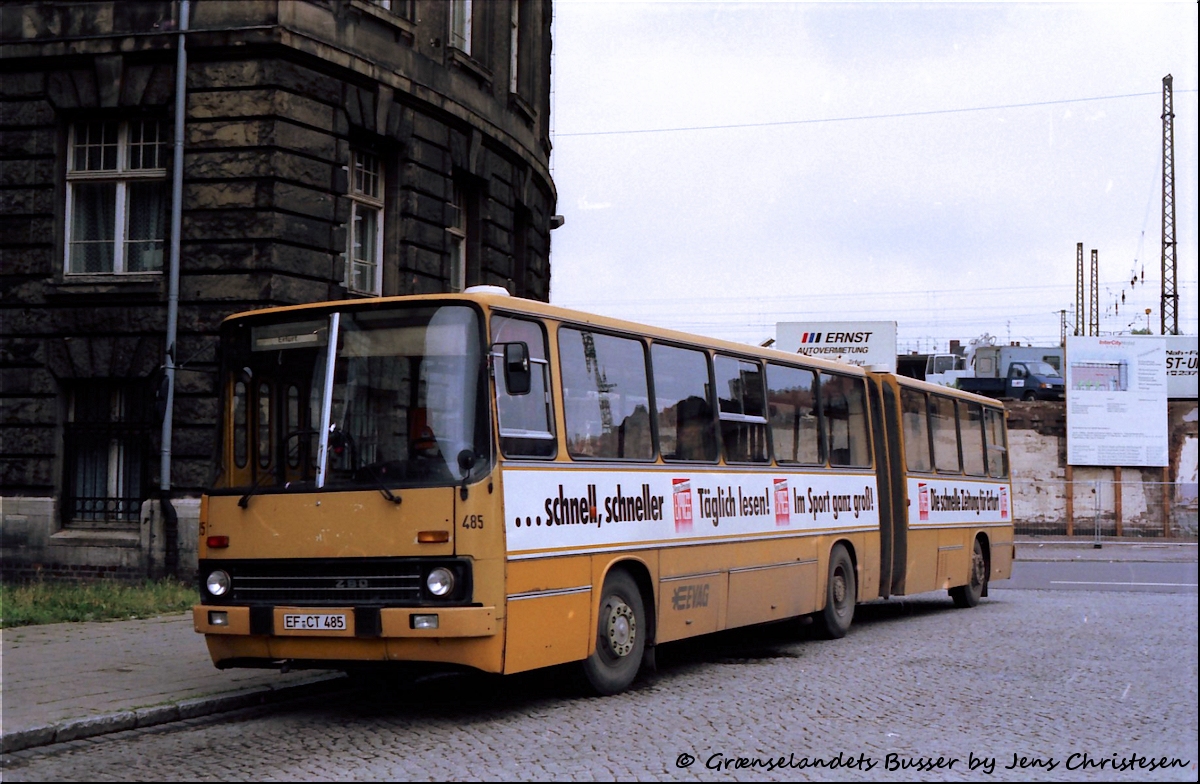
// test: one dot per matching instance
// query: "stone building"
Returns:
(331, 149)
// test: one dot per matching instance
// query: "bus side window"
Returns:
(945, 435)
(971, 429)
(915, 416)
(686, 429)
(844, 411)
(742, 409)
(526, 421)
(792, 408)
(996, 443)
(606, 396)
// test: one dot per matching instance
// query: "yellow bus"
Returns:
(484, 481)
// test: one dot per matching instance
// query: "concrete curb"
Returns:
(90, 727)
(1114, 551)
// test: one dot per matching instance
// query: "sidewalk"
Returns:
(1059, 548)
(66, 681)
(69, 681)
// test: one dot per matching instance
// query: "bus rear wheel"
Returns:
(620, 636)
(969, 595)
(841, 594)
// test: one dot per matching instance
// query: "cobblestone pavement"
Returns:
(1044, 676)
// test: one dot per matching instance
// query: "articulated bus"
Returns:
(476, 480)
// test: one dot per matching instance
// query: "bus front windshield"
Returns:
(399, 404)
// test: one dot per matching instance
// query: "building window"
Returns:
(116, 196)
(460, 25)
(364, 269)
(106, 451)
(458, 239)
(514, 43)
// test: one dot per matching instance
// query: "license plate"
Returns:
(314, 623)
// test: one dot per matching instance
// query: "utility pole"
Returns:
(1169, 309)
(1079, 288)
(1094, 308)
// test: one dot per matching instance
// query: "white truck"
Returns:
(1021, 372)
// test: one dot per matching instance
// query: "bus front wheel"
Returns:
(620, 636)
(968, 595)
(841, 593)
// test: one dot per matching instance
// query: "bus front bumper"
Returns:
(334, 622)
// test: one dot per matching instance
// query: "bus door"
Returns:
(889, 470)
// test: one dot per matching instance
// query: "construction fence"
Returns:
(1106, 508)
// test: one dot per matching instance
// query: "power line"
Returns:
(896, 115)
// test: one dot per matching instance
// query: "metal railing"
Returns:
(1099, 508)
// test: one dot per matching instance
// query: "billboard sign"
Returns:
(1181, 367)
(853, 342)
(1116, 401)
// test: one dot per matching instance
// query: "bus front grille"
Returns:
(332, 582)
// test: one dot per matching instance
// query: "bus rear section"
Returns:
(949, 524)
(353, 519)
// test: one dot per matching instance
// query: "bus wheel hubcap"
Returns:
(622, 628)
(839, 588)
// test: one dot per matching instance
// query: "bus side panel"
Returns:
(549, 612)
(692, 592)
(866, 550)
(1001, 546)
(772, 593)
(955, 547)
(786, 587)
(921, 573)
(547, 630)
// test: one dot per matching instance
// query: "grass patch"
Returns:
(29, 604)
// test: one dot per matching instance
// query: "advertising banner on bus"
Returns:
(587, 510)
(937, 503)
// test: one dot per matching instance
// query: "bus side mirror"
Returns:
(517, 378)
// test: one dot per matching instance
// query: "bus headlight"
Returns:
(440, 581)
(217, 583)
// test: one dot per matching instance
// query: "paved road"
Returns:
(1139, 576)
(1040, 676)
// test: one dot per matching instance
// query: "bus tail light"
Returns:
(433, 537)
(217, 542)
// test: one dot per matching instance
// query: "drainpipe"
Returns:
(170, 519)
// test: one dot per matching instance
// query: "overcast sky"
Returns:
(724, 166)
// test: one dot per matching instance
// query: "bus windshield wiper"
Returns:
(244, 501)
(379, 484)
